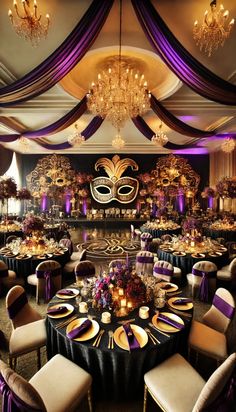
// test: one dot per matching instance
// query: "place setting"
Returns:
(180, 303)
(130, 337)
(82, 329)
(168, 322)
(60, 310)
(67, 293)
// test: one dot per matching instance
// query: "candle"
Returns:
(123, 303)
(121, 292)
(192, 243)
(83, 307)
(144, 312)
(129, 305)
(106, 317)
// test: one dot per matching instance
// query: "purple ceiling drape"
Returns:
(179, 60)
(62, 60)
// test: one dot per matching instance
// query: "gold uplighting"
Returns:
(160, 138)
(120, 92)
(228, 145)
(27, 23)
(214, 30)
(76, 139)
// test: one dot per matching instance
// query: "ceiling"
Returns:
(18, 57)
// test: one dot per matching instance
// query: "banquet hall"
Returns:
(118, 204)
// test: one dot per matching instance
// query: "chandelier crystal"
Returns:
(27, 23)
(160, 138)
(76, 139)
(214, 30)
(228, 145)
(118, 142)
(120, 92)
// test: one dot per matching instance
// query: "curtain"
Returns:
(5, 159)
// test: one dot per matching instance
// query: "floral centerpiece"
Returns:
(120, 291)
(32, 224)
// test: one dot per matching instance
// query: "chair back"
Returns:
(84, 269)
(232, 268)
(18, 394)
(204, 277)
(19, 310)
(218, 394)
(65, 242)
(166, 238)
(163, 270)
(221, 312)
(3, 269)
(10, 238)
(49, 279)
(144, 263)
(117, 264)
(146, 239)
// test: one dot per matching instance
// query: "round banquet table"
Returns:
(228, 235)
(117, 373)
(159, 232)
(25, 267)
(185, 263)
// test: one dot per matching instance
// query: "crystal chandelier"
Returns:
(120, 92)
(228, 145)
(160, 138)
(214, 30)
(23, 144)
(27, 23)
(118, 142)
(76, 139)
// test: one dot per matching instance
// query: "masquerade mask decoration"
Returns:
(123, 189)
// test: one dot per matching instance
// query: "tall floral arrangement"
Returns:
(7, 187)
(23, 194)
(226, 187)
(32, 224)
(208, 192)
(190, 224)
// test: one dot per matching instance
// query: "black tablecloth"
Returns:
(185, 263)
(158, 232)
(117, 374)
(25, 267)
(228, 235)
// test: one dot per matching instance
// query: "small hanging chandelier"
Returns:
(160, 138)
(118, 142)
(228, 145)
(76, 139)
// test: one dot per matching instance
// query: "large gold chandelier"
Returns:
(214, 30)
(27, 23)
(120, 92)
(228, 145)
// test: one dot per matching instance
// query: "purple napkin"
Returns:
(57, 311)
(77, 332)
(182, 301)
(167, 286)
(170, 322)
(132, 341)
(66, 292)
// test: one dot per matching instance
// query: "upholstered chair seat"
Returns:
(8, 277)
(228, 272)
(144, 263)
(75, 258)
(203, 279)
(47, 279)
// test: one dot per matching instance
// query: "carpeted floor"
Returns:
(27, 364)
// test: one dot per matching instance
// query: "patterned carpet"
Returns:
(110, 248)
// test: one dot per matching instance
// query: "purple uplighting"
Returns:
(180, 203)
(68, 203)
(44, 202)
(193, 151)
(210, 202)
(84, 207)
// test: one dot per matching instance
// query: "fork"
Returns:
(65, 322)
(111, 340)
(98, 338)
(151, 336)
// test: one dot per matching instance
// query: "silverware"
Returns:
(98, 338)
(123, 322)
(111, 340)
(65, 322)
(175, 293)
(151, 336)
(162, 333)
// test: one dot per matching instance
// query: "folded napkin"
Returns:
(57, 311)
(182, 301)
(167, 286)
(66, 292)
(170, 322)
(132, 341)
(77, 332)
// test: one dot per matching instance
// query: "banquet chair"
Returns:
(177, 387)
(231, 246)
(146, 239)
(228, 272)
(166, 238)
(58, 386)
(117, 264)
(203, 279)
(75, 258)
(47, 279)
(144, 263)
(84, 269)
(208, 338)
(28, 328)
(65, 242)
(8, 277)
(10, 238)
(166, 271)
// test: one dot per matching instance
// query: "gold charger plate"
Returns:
(23, 257)
(121, 339)
(164, 327)
(222, 249)
(198, 255)
(41, 256)
(179, 253)
(215, 254)
(89, 334)
(61, 296)
(173, 288)
(58, 253)
(70, 309)
(10, 255)
(186, 306)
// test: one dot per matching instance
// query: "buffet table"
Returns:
(117, 373)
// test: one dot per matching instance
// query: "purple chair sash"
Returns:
(144, 259)
(163, 271)
(132, 341)
(226, 400)
(3, 273)
(75, 333)
(223, 307)
(204, 286)
(17, 305)
(47, 275)
(11, 402)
